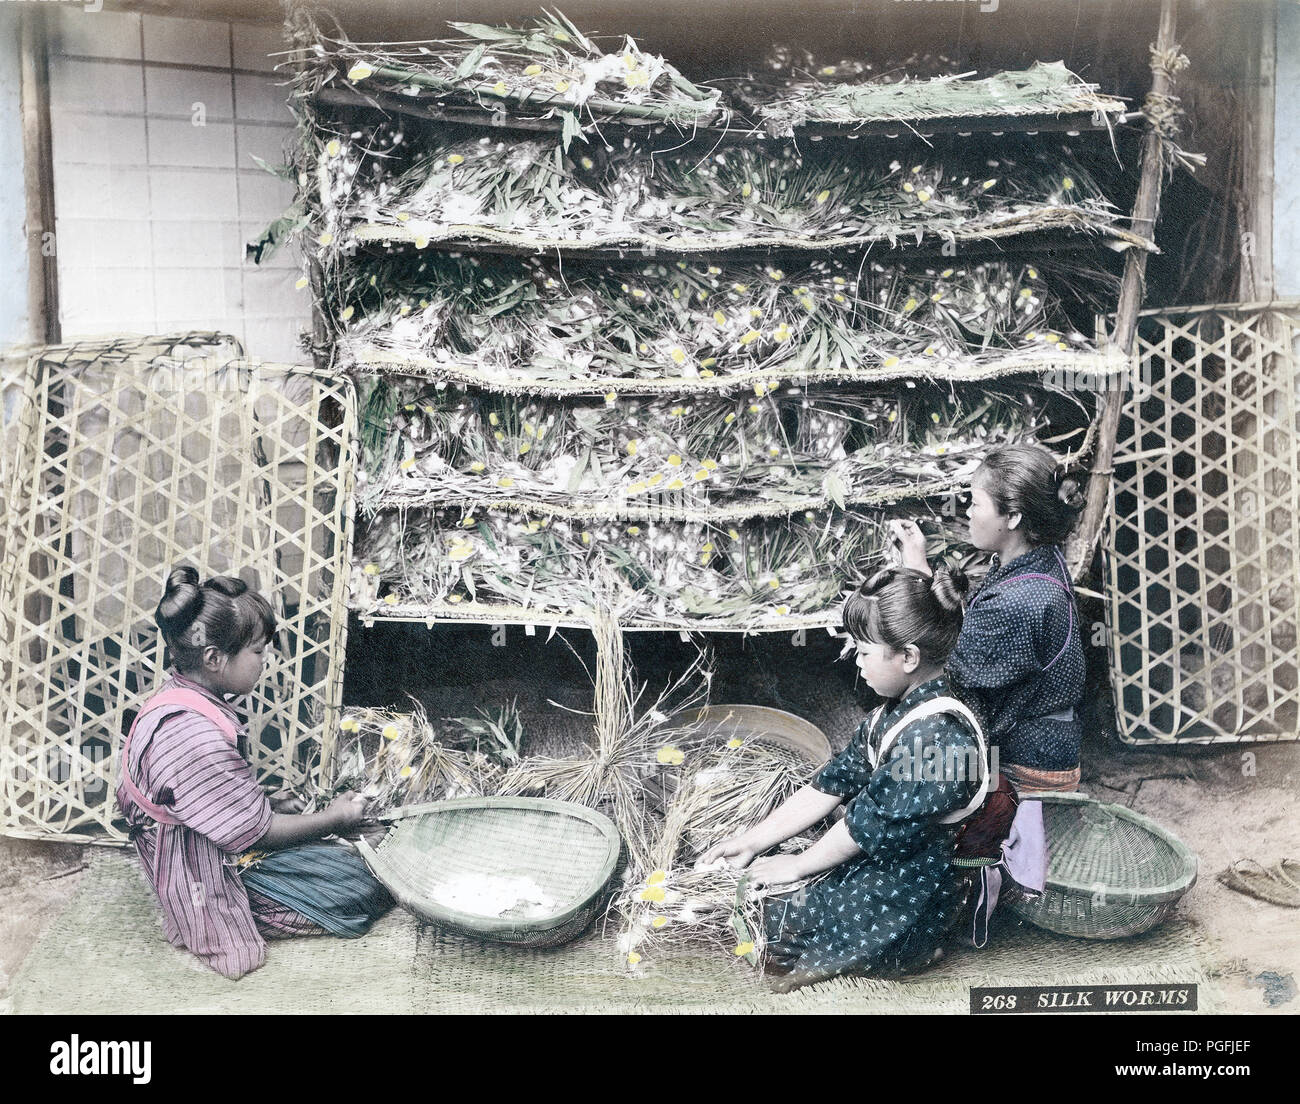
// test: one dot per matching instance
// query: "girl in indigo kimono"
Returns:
(914, 770)
(1019, 658)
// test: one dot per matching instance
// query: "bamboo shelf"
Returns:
(1029, 233)
(1108, 364)
(1063, 230)
(470, 613)
(624, 509)
(963, 126)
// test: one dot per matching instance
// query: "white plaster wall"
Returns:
(13, 270)
(154, 122)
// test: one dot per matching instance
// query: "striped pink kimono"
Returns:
(181, 761)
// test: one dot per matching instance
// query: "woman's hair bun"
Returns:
(181, 601)
(1071, 494)
(949, 587)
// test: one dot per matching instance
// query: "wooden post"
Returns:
(323, 357)
(38, 180)
(1146, 208)
(1256, 280)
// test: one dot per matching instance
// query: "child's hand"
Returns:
(283, 801)
(736, 851)
(776, 870)
(347, 810)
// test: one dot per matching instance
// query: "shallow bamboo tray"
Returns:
(799, 741)
(570, 851)
(760, 723)
(1111, 872)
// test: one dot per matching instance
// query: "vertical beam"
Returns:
(1146, 208)
(38, 180)
(1257, 278)
(296, 13)
(331, 415)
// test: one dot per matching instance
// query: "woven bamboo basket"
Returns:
(796, 741)
(1111, 873)
(569, 851)
(773, 727)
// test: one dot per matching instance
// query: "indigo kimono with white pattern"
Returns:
(1019, 660)
(888, 910)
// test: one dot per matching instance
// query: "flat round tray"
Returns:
(569, 850)
(774, 727)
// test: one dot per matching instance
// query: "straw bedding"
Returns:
(690, 325)
(761, 454)
(524, 473)
(547, 69)
(106, 954)
(752, 572)
(529, 193)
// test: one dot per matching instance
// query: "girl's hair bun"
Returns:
(181, 601)
(184, 575)
(949, 587)
(1071, 494)
(229, 585)
(221, 612)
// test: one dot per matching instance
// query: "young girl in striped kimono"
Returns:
(193, 807)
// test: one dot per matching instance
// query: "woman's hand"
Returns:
(907, 538)
(737, 851)
(777, 870)
(346, 811)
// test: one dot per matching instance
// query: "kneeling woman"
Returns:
(192, 804)
(915, 768)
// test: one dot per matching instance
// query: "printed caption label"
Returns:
(1163, 997)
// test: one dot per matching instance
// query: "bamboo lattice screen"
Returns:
(132, 457)
(1203, 544)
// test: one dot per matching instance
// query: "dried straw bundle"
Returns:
(399, 759)
(629, 746)
(1045, 88)
(729, 786)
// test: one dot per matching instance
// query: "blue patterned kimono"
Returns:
(1020, 661)
(887, 911)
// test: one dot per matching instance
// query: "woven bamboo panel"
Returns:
(133, 457)
(1203, 539)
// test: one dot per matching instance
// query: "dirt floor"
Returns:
(1225, 803)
